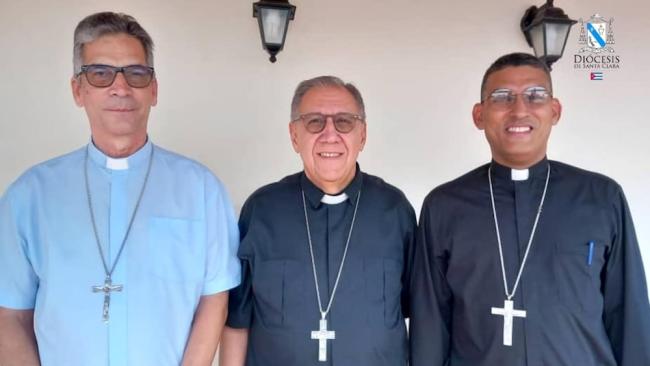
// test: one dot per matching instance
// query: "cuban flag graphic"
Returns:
(596, 75)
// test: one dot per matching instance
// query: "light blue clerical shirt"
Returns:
(182, 245)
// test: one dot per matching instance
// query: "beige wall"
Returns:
(417, 62)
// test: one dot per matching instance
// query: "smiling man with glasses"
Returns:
(121, 252)
(525, 260)
(325, 252)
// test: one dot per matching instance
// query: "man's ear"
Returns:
(477, 116)
(293, 134)
(556, 106)
(75, 85)
(154, 91)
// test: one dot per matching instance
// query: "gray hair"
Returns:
(106, 23)
(320, 82)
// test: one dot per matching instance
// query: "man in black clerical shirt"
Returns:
(525, 260)
(325, 252)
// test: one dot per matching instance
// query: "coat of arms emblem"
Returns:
(596, 34)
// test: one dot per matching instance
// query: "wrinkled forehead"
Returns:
(517, 78)
(114, 46)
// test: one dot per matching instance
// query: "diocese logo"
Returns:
(596, 34)
(595, 42)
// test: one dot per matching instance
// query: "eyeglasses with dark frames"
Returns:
(102, 76)
(343, 122)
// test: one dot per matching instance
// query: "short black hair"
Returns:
(513, 60)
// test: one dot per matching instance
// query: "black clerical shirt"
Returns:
(277, 298)
(583, 286)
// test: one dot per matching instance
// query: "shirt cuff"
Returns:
(221, 284)
(16, 304)
(238, 321)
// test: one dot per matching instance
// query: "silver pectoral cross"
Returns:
(508, 312)
(107, 288)
(322, 335)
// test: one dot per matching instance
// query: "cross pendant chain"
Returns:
(322, 335)
(508, 312)
(106, 289)
(108, 286)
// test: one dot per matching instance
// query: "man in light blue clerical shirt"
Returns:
(121, 252)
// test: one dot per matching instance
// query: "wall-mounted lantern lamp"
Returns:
(273, 17)
(546, 29)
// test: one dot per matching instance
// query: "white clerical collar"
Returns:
(117, 164)
(519, 174)
(334, 200)
(134, 160)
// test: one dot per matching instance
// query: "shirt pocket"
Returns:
(176, 249)
(281, 298)
(577, 275)
(383, 291)
(268, 290)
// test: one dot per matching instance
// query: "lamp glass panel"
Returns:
(537, 38)
(274, 22)
(556, 34)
